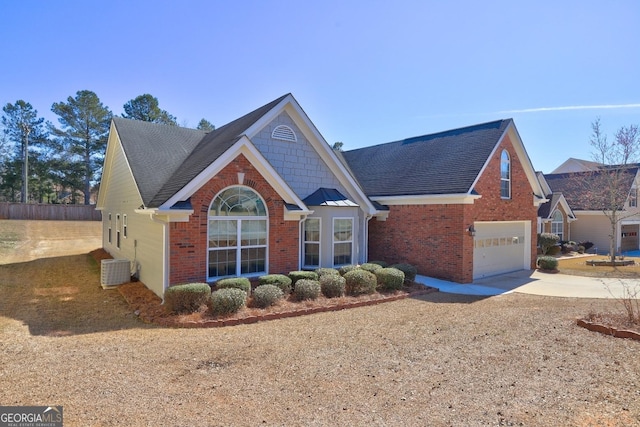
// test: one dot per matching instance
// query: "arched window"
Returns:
(557, 224)
(505, 175)
(237, 234)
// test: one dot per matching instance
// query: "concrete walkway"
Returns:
(537, 283)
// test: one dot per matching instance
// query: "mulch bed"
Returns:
(148, 306)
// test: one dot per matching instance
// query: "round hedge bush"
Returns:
(226, 301)
(547, 263)
(332, 285)
(389, 279)
(307, 289)
(325, 271)
(410, 272)
(236, 283)
(299, 275)
(382, 264)
(371, 267)
(347, 268)
(279, 280)
(186, 298)
(360, 282)
(266, 295)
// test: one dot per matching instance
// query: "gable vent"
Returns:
(284, 133)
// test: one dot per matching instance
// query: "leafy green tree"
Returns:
(25, 130)
(146, 108)
(337, 146)
(83, 135)
(206, 125)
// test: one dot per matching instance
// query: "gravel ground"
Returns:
(435, 360)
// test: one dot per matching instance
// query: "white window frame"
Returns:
(505, 158)
(118, 231)
(238, 246)
(633, 198)
(124, 226)
(306, 242)
(555, 222)
(109, 230)
(335, 242)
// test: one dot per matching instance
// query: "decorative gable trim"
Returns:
(113, 144)
(538, 194)
(317, 141)
(245, 147)
(284, 133)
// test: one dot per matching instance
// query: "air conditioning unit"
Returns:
(114, 272)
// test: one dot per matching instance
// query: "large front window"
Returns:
(342, 241)
(237, 234)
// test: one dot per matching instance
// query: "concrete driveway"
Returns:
(537, 283)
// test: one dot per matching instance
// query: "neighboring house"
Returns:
(267, 194)
(554, 216)
(576, 165)
(591, 222)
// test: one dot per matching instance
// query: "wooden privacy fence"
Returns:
(43, 211)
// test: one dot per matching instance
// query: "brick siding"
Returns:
(188, 240)
(434, 237)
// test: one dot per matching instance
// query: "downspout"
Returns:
(366, 237)
(300, 241)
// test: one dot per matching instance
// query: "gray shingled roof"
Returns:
(579, 193)
(545, 209)
(441, 163)
(165, 158)
(154, 151)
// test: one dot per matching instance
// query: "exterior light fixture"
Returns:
(471, 230)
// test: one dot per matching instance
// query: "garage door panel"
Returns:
(499, 248)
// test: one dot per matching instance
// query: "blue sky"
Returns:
(366, 72)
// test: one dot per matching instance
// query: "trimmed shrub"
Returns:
(358, 282)
(227, 301)
(332, 285)
(347, 268)
(266, 295)
(587, 245)
(382, 264)
(327, 271)
(280, 280)
(371, 267)
(186, 298)
(581, 249)
(307, 289)
(410, 272)
(298, 275)
(553, 250)
(547, 263)
(236, 283)
(389, 279)
(546, 241)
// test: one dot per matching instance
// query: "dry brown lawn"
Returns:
(577, 265)
(434, 360)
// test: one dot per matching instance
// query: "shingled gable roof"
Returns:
(572, 187)
(166, 158)
(441, 163)
(154, 151)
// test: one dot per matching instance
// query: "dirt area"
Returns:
(437, 359)
(29, 240)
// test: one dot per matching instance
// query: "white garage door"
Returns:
(501, 247)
